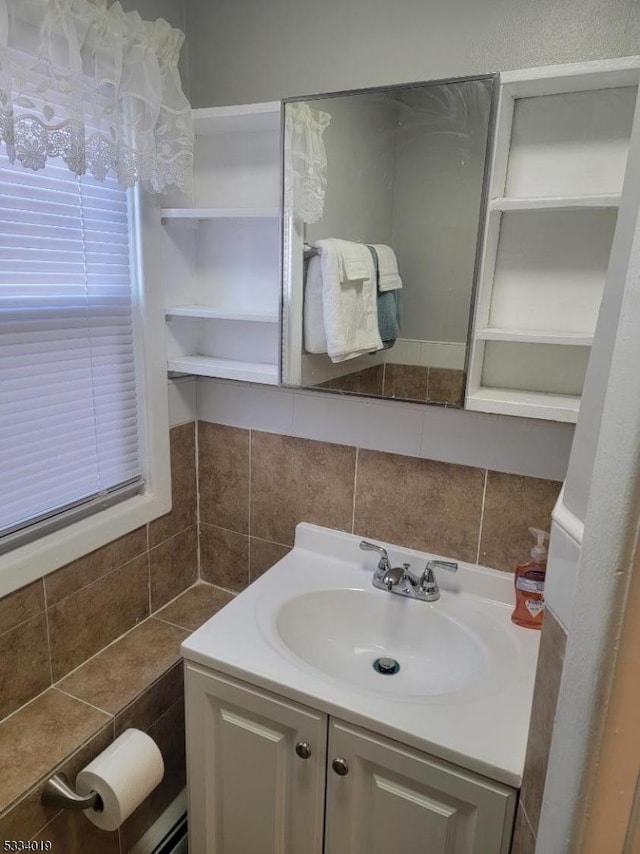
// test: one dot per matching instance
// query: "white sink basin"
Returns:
(311, 628)
(438, 652)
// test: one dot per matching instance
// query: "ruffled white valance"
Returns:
(305, 172)
(96, 86)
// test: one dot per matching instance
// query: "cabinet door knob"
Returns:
(303, 749)
(340, 766)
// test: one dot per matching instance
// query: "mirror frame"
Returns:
(292, 235)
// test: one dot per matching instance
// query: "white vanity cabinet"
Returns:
(221, 249)
(270, 776)
(249, 791)
(561, 144)
(395, 799)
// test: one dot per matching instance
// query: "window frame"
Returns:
(40, 556)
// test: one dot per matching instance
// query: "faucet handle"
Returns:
(449, 565)
(428, 581)
(385, 563)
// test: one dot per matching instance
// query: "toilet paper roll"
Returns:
(123, 775)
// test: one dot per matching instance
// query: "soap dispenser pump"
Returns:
(529, 584)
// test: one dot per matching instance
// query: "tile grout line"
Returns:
(196, 463)
(164, 542)
(24, 705)
(149, 581)
(22, 622)
(175, 598)
(149, 565)
(102, 577)
(355, 486)
(46, 617)
(45, 826)
(527, 819)
(86, 703)
(98, 652)
(484, 495)
(240, 534)
(174, 625)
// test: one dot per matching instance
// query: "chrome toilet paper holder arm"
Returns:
(58, 792)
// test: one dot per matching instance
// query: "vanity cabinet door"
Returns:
(383, 797)
(253, 788)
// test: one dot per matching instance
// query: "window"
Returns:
(68, 404)
(75, 388)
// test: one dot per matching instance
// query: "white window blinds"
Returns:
(68, 420)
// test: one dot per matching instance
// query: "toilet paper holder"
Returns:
(58, 792)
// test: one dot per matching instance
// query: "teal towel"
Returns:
(388, 303)
(389, 317)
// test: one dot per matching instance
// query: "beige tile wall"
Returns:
(255, 487)
(405, 382)
(545, 699)
(68, 725)
(51, 626)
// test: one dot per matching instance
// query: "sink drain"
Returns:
(386, 666)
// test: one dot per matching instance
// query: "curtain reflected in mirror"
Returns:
(383, 211)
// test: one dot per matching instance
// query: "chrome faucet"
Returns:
(428, 582)
(384, 564)
(400, 579)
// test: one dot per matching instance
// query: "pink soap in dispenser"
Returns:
(529, 584)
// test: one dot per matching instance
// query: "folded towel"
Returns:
(349, 307)
(388, 266)
(389, 317)
(388, 304)
(315, 340)
(355, 264)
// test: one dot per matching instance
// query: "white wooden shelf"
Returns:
(218, 213)
(230, 369)
(221, 261)
(525, 336)
(531, 404)
(243, 118)
(513, 203)
(205, 312)
(559, 160)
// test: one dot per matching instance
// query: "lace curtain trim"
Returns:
(305, 174)
(96, 86)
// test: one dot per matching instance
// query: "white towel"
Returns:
(349, 307)
(355, 266)
(388, 268)
(315, 341)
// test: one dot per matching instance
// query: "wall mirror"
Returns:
(401, 169)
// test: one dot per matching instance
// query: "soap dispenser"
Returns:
(529, 584)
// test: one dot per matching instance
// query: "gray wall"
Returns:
(360, 146)
(440, 157)
(243, 51)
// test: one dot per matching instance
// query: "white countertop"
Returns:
(482, 727)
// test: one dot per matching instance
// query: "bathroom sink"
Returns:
(312, 627)
(342, 633)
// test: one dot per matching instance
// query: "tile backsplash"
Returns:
(256, 486)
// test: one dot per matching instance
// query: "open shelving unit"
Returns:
(221, 249)
(561, 145)
(203, 214)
